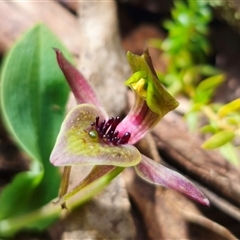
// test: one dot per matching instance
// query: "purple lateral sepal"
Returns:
(157, 174)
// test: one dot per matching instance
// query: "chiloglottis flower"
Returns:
(89, 137)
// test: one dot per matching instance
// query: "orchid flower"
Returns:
(89, 137)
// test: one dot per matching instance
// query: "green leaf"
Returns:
(218, 139)
(229, 108)
(208, 129)
(206, 88)
(17, 192)
(34, 91)
(230, 153)
(210, 83)
(33, 98)
(233, 119)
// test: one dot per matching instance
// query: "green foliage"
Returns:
(229, 108)
(224, 126)
(185, 50)
(186, 47)
(33, 98)
(219, 139)
(187, 33)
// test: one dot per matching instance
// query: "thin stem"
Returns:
(96, 173)
(64, 184)
(210, 113)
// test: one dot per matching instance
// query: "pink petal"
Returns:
(156, 173)
(74, 145)
(139, 121)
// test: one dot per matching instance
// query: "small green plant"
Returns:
(224, 126)
(186, 47)
(185, 50)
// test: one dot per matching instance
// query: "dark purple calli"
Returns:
(89, 137)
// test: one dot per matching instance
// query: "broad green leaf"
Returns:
(34, 91)
(230, 107)
(218, 139)
(17, 192)
(33, 98)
